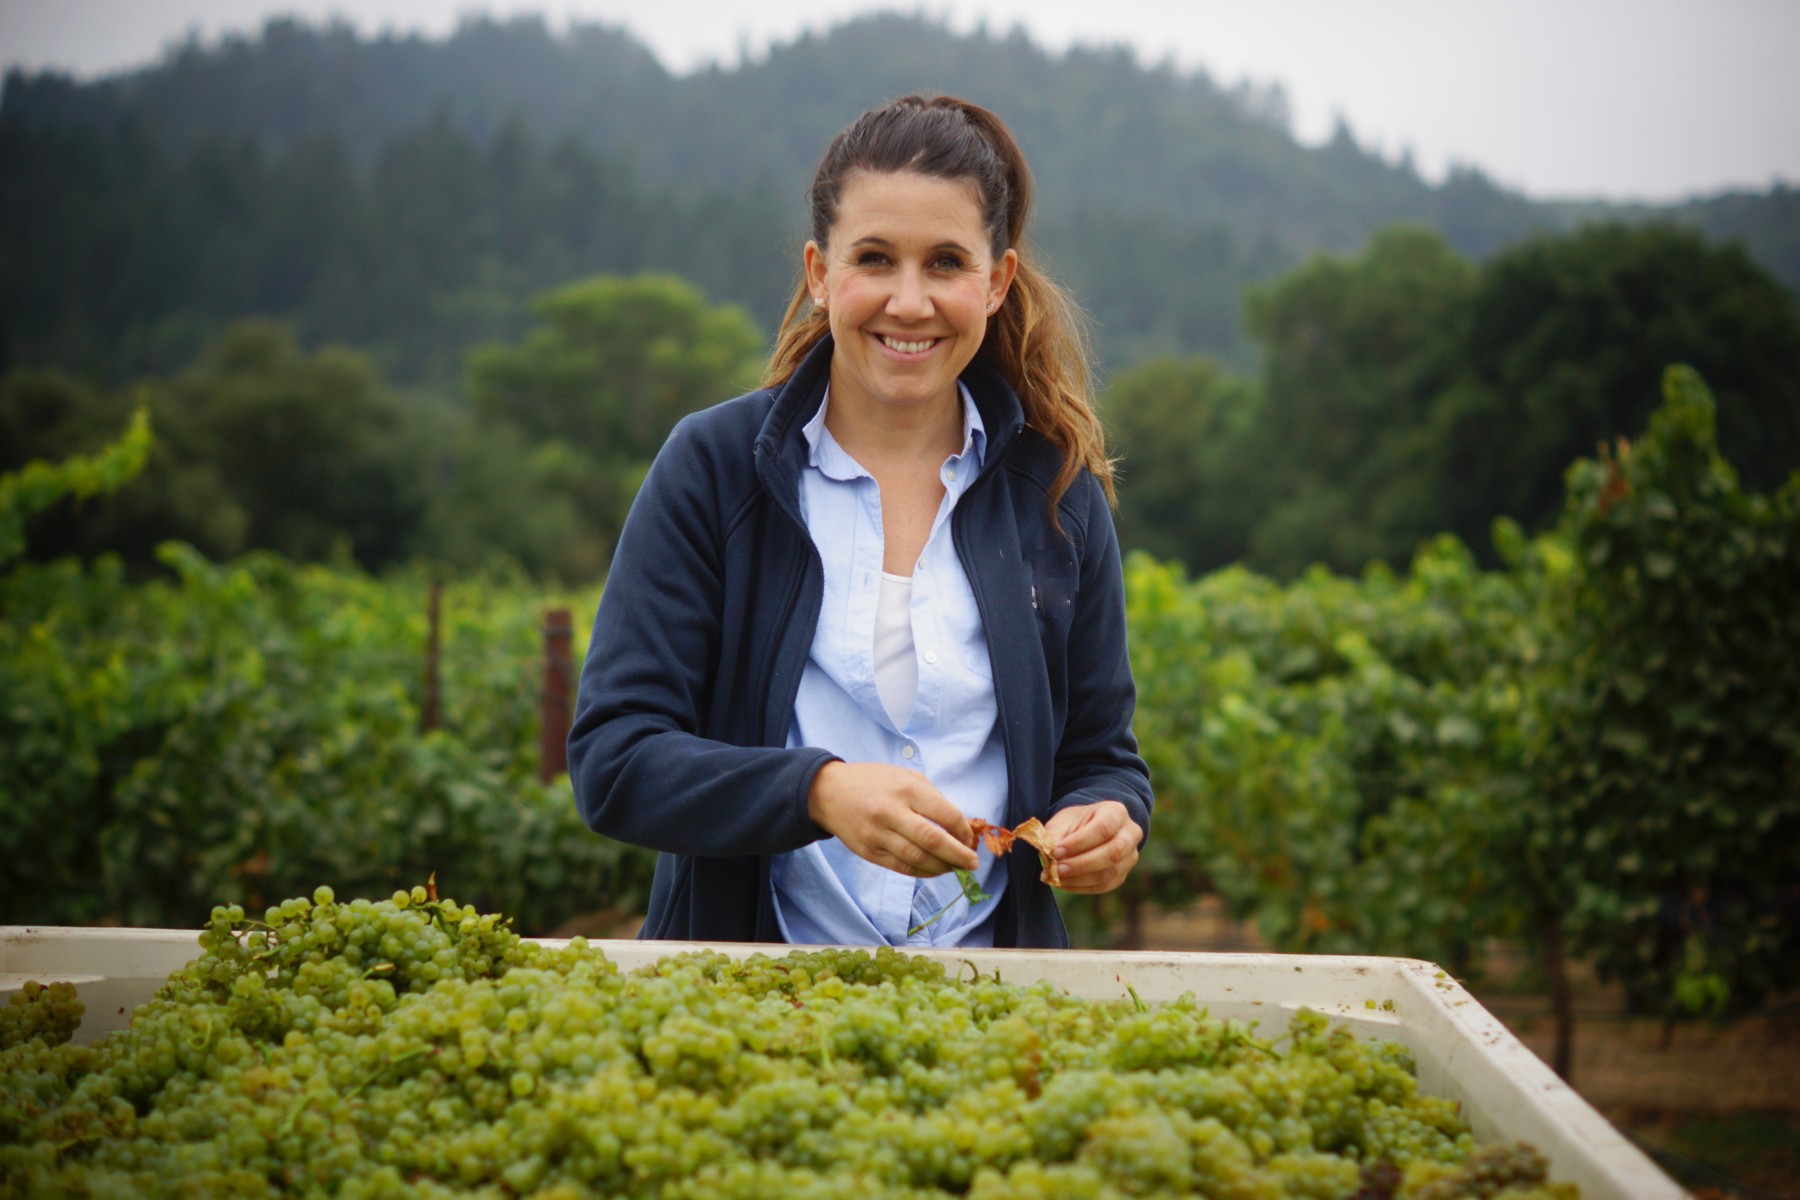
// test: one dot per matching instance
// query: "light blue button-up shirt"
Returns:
(824, 894)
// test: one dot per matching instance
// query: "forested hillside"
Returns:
(1409, 391)
(407, 196)
(1310, 355)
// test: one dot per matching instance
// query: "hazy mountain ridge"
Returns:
(293, 80)
(1102, 130)
(1162, 194)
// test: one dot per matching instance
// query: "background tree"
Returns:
(1186, 492)
(307, 444)
(1408, 390)
(1565, 342)
(612, 366)
(261, 445)
(179, 494)
(1354, 353)
(496, 501)
(258, 445)
(39, 484)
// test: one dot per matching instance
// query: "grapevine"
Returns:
(414, 1046)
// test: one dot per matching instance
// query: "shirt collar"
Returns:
(824, 454)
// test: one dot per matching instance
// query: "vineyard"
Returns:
(239, 730)
(1465, 628)
(1592, 752)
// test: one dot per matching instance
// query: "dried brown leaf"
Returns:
(997, 838)
(1033, 833)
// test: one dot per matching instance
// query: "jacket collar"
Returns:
(781, 447)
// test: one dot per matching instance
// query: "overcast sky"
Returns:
(1622, 99)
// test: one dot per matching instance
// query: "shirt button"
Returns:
(931, 656)
(908, 752)
(951, 472)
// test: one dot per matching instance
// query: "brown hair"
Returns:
(1036, 339)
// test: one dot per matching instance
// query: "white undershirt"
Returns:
(896, 664)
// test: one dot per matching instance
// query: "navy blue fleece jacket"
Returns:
(681, 723)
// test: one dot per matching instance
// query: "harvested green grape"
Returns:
(34, 1011)
(414, 1047)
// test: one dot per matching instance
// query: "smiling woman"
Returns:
(876, 605)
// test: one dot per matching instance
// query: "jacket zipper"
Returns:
(793, 659)
(985, 607)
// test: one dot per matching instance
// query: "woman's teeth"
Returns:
(906, 347)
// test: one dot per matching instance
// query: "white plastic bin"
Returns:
(1462, 1051)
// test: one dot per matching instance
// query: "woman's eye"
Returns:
(870, 258)
(949, 262)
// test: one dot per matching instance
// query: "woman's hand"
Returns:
(892, 817)
(1096, 845)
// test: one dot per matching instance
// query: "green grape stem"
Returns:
(379, 1072)
(971, 891)
(301, 1103)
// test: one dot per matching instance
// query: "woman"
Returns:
(880, 596)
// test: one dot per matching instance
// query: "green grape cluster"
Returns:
(411, 1047)
(1515, 1172)
(35, 1011)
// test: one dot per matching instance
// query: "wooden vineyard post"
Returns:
(559, 678)
(431, 712)
(1562, 1002)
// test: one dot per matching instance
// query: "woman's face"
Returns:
(908, 280)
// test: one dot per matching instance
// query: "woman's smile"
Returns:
(908, 348)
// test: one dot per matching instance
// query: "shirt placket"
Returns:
(929, 581)
(930, 896)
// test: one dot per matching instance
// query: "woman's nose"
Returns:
(910, 299)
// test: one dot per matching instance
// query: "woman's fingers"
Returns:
(917, 847)
(939, 822)
(1096, 846)
(892, 817)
